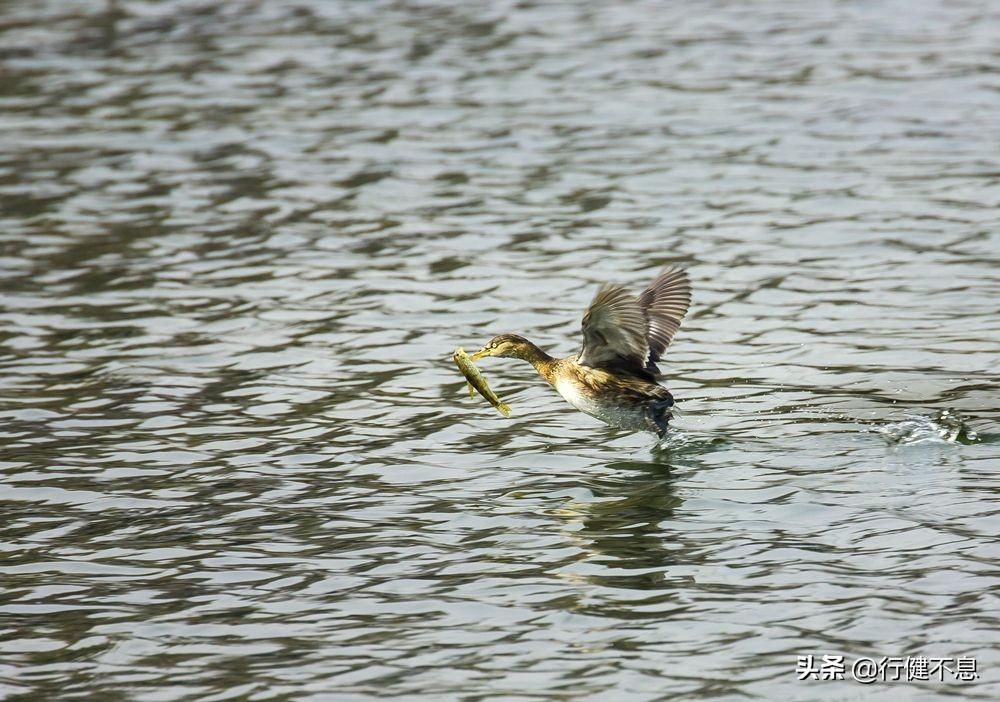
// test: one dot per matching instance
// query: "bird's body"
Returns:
(623, 401)
(614, 378)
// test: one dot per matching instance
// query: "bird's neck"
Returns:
(536, 357)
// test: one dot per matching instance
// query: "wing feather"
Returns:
(614, 328)
(665, 303)
(628, 332)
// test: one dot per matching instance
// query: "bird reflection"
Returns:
(626, 529)
(622, 528)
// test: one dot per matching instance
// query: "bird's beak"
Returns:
(481, 353)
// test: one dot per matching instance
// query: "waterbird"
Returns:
(614, 377)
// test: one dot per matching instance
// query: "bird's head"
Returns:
(504, 346)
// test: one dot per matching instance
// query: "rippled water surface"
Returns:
(241, 239)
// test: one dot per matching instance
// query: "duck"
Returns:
(615, 377)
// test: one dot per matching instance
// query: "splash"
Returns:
(945, 427)
(677, 439)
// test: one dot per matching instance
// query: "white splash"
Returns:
(946, 427)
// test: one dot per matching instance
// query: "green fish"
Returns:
(475, 379)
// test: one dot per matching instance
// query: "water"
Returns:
(240, 241)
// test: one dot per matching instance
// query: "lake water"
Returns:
(240, 241)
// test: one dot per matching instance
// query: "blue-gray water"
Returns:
(241, 239)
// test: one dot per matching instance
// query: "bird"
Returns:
(615, 377)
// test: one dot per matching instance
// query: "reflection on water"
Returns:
(241, 239)
(621, 527)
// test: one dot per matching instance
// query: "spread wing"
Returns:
(614, 329)
(665, 302)
(624, 331)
